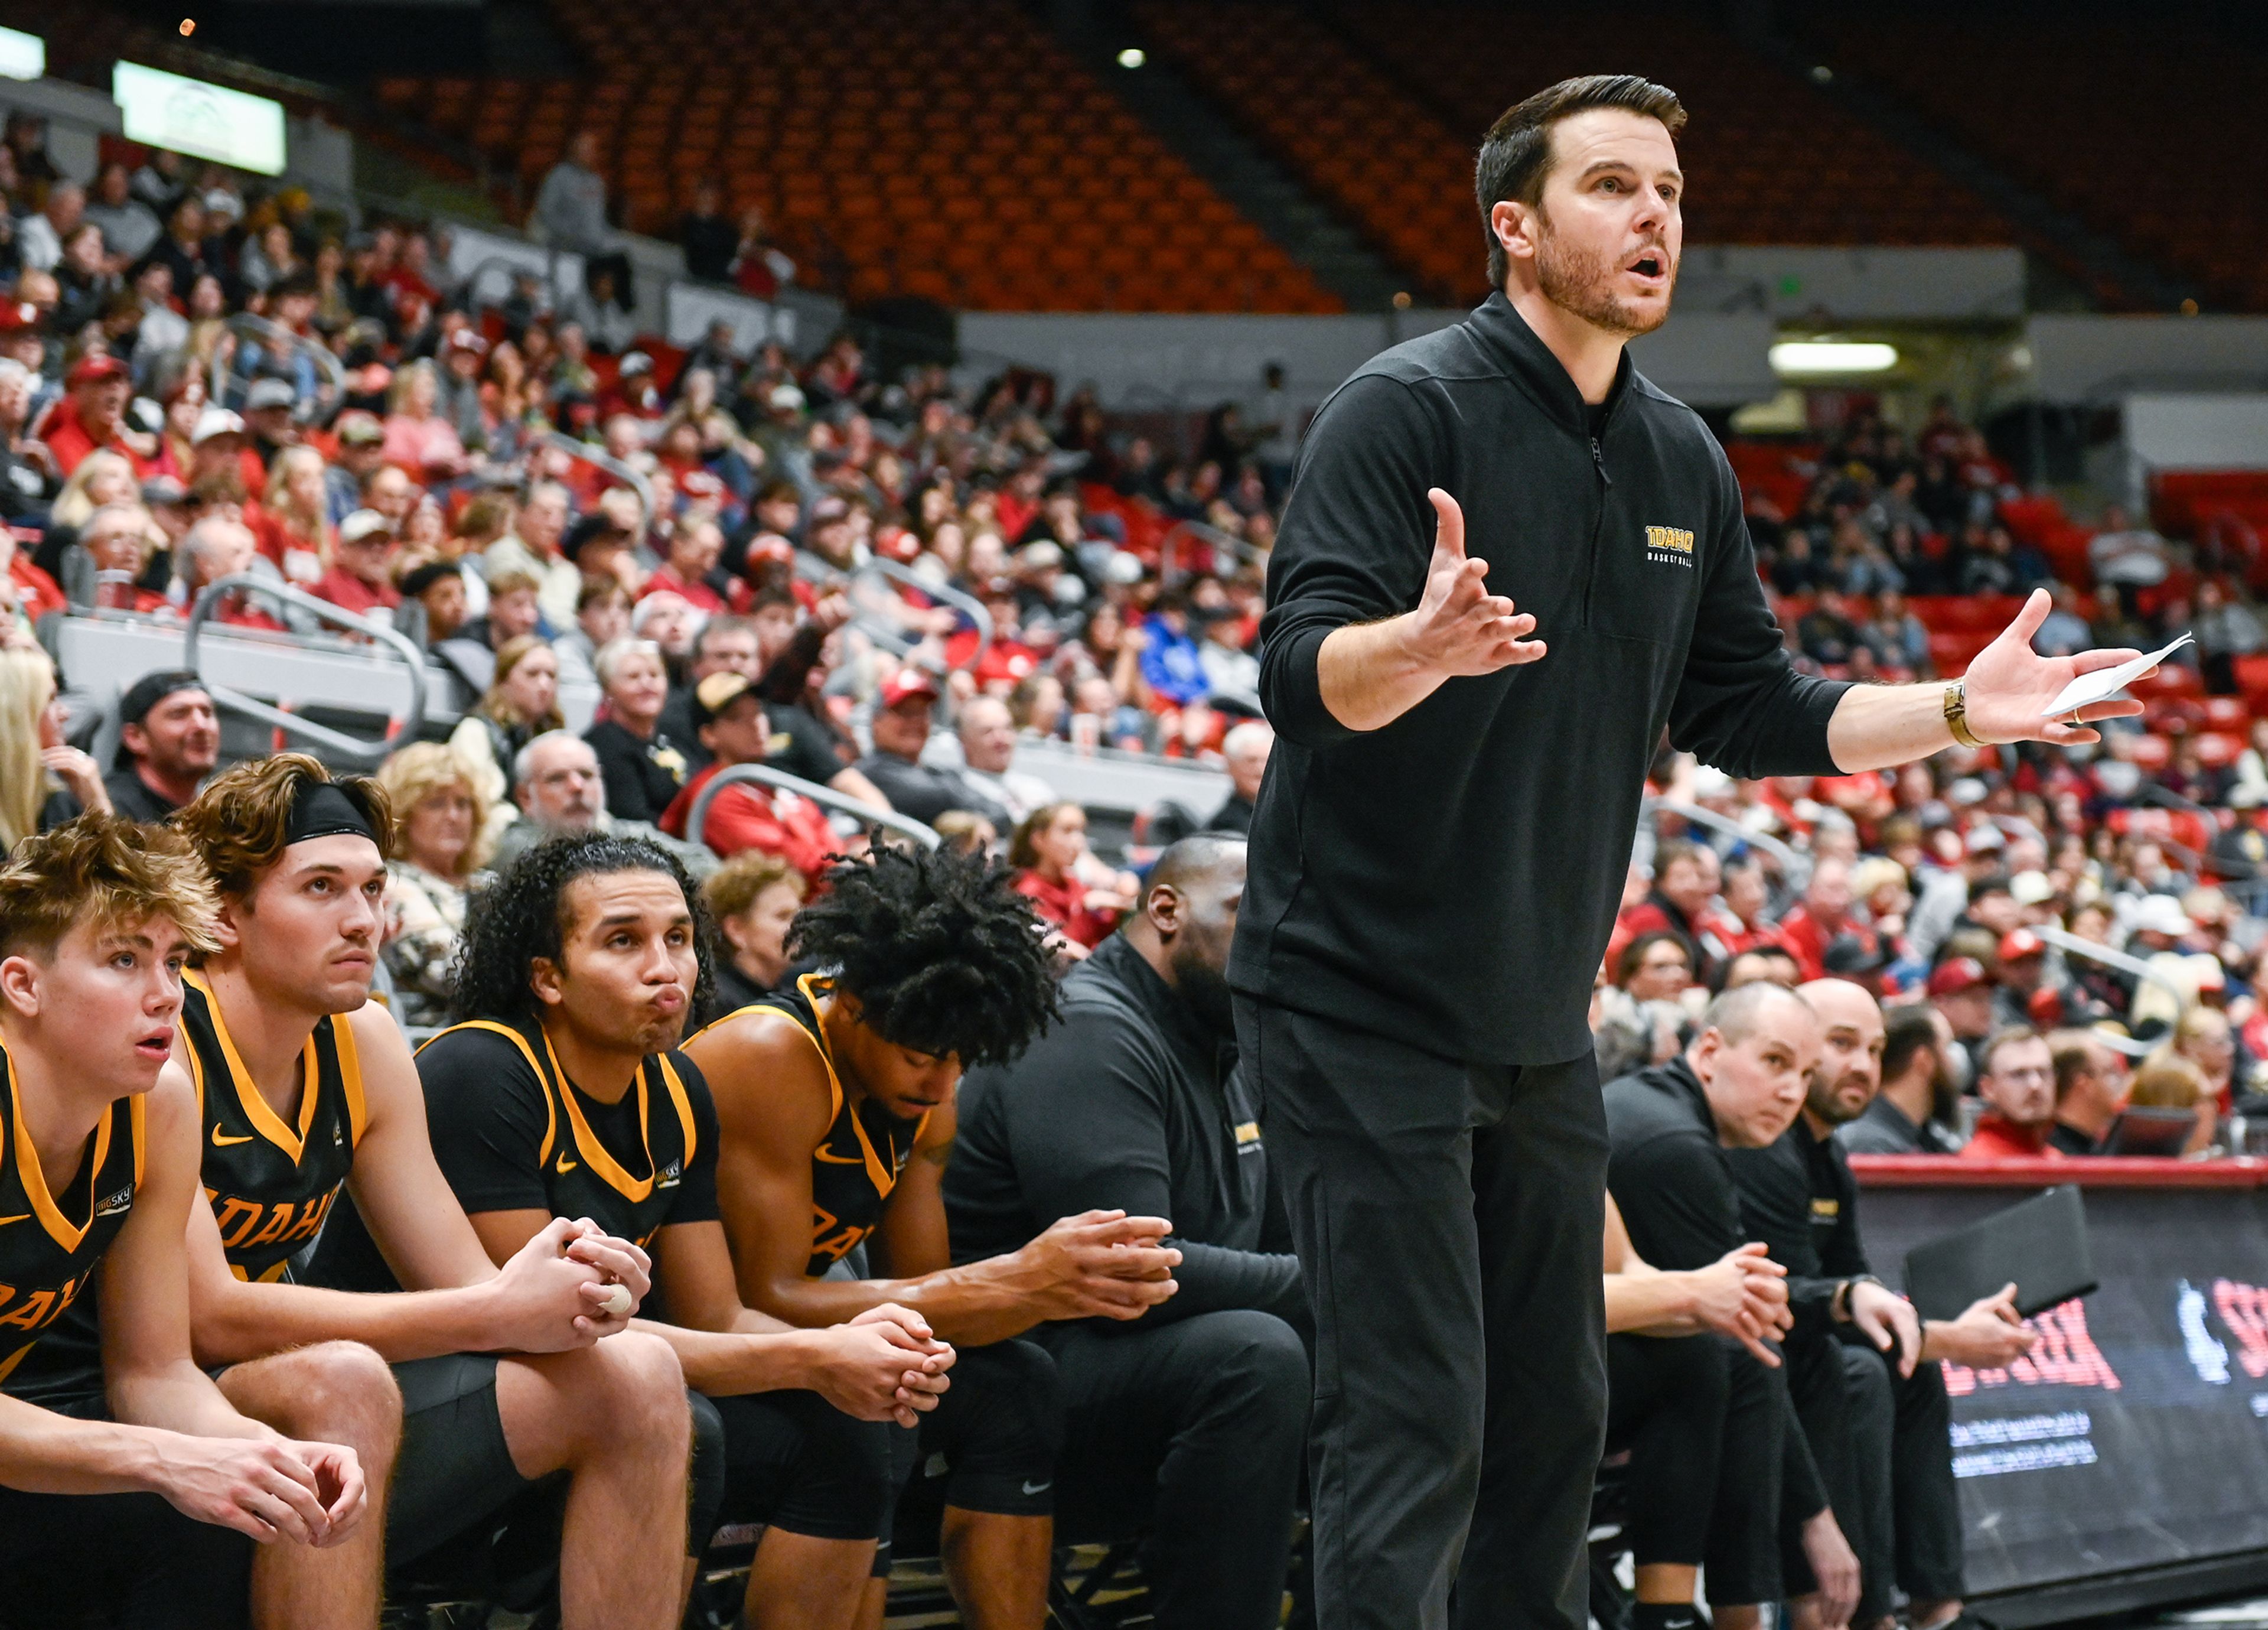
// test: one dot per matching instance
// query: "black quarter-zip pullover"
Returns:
(1450, 880)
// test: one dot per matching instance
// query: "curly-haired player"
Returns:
(563, 1095)
(836, 1106)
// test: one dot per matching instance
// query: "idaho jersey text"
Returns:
(271, 1182)
(858, 1160)
(50, 1246)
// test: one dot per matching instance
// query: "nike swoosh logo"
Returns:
(840, 1159)
(220, 1140)
(19, 1217)
(564, 1166)
(1038, 1488)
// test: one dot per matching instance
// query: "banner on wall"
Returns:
(2135, 1435)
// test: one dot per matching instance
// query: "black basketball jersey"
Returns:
(50, 1244)
(857, 1161)
(632, 1194)
(271, 1183)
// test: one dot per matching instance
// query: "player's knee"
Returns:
(1256, 1366)
(334, 1392)
(636, 1392)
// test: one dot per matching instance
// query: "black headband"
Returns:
(322, 810)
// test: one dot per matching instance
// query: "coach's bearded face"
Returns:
(1609, 230)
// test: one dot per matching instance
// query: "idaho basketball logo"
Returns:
(1669, 546)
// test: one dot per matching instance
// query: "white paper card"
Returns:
(2106, 682)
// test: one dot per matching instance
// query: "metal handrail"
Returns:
(598, 457)
(1169, 547)
(2071, 945)
(2159, 793)
(697, 817)
(355, 749)
(1794, 864)
(333, 371)
(960, 599)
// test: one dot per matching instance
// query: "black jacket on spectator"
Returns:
(1450, 881)
(1799, 1197)
(1883, 1128)
(925, 793)
(1130, 1102)
(1234, 816)
(132, 797)
(642, 777)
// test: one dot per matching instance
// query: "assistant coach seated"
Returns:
(1873, 1403)
(1190, 1420)
(1738, 1086)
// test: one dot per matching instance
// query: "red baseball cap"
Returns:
(908, 681)
(94, 366)
(1956, 974)
(2019, 942)
(17, 315)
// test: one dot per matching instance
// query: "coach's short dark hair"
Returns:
(1516, 153)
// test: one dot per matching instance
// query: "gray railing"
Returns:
(357, 750)
(960, 601)
(598, 457)
(245, 323)
(1794, 864)
(697, 817)
(2071, 945)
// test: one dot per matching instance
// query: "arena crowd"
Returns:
(1087, 1322)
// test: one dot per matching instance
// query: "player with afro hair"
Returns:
(835, 1114)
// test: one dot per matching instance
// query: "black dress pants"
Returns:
(1448, 1219)
(1192, 1432)
(1908, 1528)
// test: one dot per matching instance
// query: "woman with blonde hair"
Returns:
(430, 878)
(2167, 1080)
(521, 703)
(103, 477)
(44, 781)
(293, 522)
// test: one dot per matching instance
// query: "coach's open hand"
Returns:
(1370, 674)
(2009, 683)
(1459, 629)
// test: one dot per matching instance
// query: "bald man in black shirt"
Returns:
(1672, 1132)
(1191, 1421)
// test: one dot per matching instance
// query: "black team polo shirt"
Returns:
(1450, 881)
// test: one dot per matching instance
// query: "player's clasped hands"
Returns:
(886, 1364)
(1460, 629)
(1743, 1294)
(1101, 1264)
(563, 1288)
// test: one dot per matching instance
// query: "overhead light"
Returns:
(1832, 357)
(1132, 57)
(22, 56)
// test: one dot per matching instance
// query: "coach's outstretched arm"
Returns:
(1878, 726)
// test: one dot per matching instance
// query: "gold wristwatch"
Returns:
(1956, 714)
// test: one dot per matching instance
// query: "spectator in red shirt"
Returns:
(93, 415)
(695, 547)
(23, 587)
(361, 577)
(1046, 852)
(730, 717)
(1683, 901)
(1962, 990)
(218, 548)
(2017, 1083)
(1823, 915)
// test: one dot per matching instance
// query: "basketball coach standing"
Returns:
(1507, 564)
